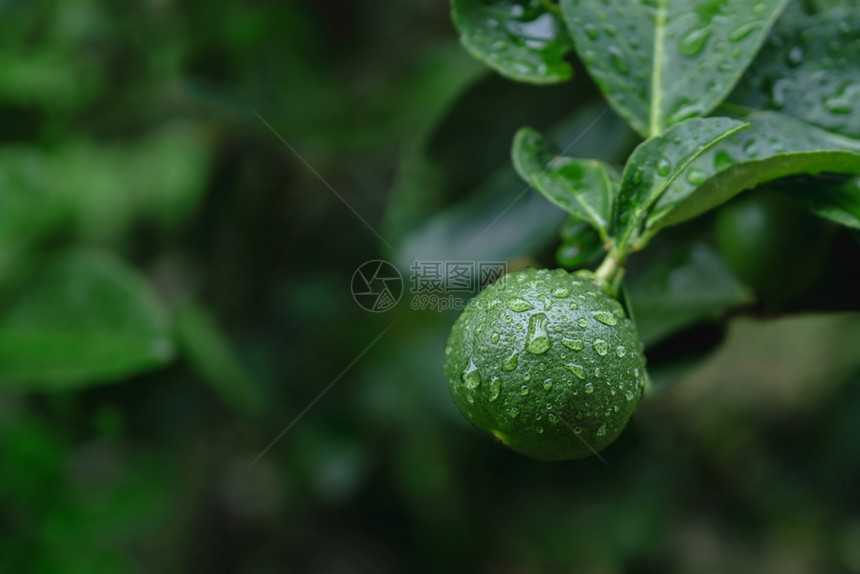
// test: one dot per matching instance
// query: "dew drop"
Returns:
(582, 323)
(471, 376)
(750, 148)
(495, 387)
(663, 166)
(513, 412)
(518, 304)
(591, 30)
(601, 346)
(742, 32)
(589, 388)
(618, 60)
(629, 395)
(696, 176)
(524, 390)
(511, 362)
(723, 160)
(620, 351)
(576, 370)
(547, 302)
(537, 339)
(602, 430)
(606, 318)
(574, 344)
(494, 338)
(693, 42)
(561, 292)
(540, 430)
(547, 385)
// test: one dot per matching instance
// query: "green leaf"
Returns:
(84, 318)
(657, 163)
(680, 286)
(521, 39)
(836, 201)
(663, 61)
(808, 69)
(775, 146)
(582, 187)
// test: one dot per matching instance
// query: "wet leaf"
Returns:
(657, 163)
(837, 201)
(663, 61)
(584, 188)
(521, 39)
(775, 146)
(808, 69)
(580, 244)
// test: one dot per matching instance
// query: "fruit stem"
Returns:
(609, 268)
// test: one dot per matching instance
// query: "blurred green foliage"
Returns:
(174, 291)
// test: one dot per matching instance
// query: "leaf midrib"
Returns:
(655, 116)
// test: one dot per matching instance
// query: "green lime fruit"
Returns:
(771, 242)
(547, 363)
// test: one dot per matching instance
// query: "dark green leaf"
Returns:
(663, 61)
(808, 69)
(521, 39)
(836, 201)
(679, 288)
(775, 146)
(657, 163)
(582, 187)
(85, 318)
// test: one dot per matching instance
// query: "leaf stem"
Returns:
(609, 268)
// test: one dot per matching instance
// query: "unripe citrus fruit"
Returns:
(547, 363)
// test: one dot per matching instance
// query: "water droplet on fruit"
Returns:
(519, 304)
(602, 430)
(576, 370)
(547, 385)
(606, 318)
(471, 376)
(582, 323)
(511, 362)
(524, 390)
(620, 351)
(494, 338)
(589, 388)
(540, 430)
(574, 344)
(495, 387)
(537, 339)
(601, 346)
(513, 412)
(527, 377)
(629, 395)
(560, 292)
(577, 430)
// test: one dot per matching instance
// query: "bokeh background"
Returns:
(175, 291)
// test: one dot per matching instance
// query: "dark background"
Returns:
(144, 115)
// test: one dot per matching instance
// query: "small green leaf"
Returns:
(808, 69)
(663, 61)
(680, 286)
(522, 39)
(583, 187)
(84, 318)
(836, 201)
(657, 163)
(775, 146)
